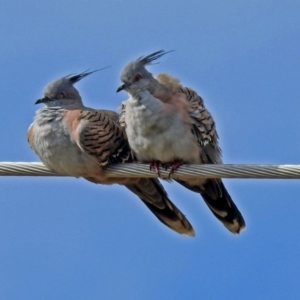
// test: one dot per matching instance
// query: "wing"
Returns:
(30, 135)
(122, 109)
(102, 137)
(203, 127)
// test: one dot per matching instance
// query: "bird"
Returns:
(79, 141)
(168, 123)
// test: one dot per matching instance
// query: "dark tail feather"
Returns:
(154, 196)
(220, 203)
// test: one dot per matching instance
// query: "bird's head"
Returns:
(134, 75)
(61, 92)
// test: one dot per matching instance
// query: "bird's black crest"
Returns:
(76, 77)
(147, 60)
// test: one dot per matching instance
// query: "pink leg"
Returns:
(155, 165)
(175, 165)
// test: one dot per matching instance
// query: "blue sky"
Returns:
(65, 238)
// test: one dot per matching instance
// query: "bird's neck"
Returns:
(160, 91)
(66, 103)
(155, 88)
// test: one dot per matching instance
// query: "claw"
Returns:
(174, 166)
(155, 165)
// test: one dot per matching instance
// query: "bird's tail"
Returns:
(154, 196)
(220, 203)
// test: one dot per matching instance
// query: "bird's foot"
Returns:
(174, 166)
(155, 165)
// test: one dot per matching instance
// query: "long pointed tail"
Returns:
(220, 203)
(154, 196)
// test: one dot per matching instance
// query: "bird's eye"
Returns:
(60, 96)
(137, 78)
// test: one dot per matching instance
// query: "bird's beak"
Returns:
(42, 100)
(122, 87)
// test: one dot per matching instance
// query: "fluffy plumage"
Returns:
(78, 141)
(168, 122)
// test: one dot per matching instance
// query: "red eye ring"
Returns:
(137, 77)
(60, 96)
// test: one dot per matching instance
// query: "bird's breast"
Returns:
(53, 143)
(156, 132)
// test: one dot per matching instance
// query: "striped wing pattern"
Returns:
(203, 127)
(103, 138)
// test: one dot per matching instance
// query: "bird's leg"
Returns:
(175, 165)
(155, 165)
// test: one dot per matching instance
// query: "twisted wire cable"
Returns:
(184, 171)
